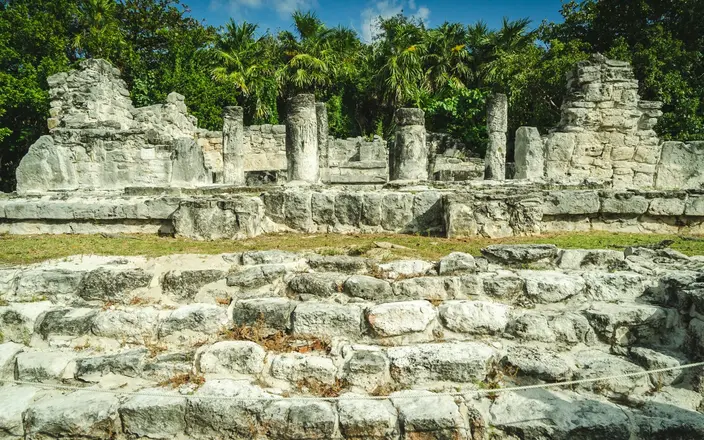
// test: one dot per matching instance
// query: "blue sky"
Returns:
(361, 14)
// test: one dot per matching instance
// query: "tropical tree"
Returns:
(245, 63)
(100, 35)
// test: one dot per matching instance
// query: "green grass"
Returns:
(24, 249)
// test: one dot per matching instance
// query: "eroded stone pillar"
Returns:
(302, 139)
(497, 125)
(321, 113)
(529, 154)
(233, 146)
(411, 151)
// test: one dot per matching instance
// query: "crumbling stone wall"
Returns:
(99, 141)
(606, 131)
(357, 160)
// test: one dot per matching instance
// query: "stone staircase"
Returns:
(278, 345)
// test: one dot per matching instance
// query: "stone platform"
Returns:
(452, 209)
(192, 333)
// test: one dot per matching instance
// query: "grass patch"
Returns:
(25, 249)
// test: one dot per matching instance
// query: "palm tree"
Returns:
(245, 63)
(447, 60)
(315, 57)
(400, 51)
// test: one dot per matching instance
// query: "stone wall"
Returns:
(99, 141)
(357, 160)
(447, 210)
(606, 130)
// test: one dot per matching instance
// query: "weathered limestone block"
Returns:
(321, 284)
(496, 123)
(81, 414)
(521, 254)
(107, 284)
(132, 325)
(367, 419)
(127, 363)
(232, 358)
(295, 367)
(233, 146)
(550, 286)
(571, 203)
(451, 362)
(188, 164)
(540, 363)
(429, 417)
(271, 314)
(302, 139)
(595, 363)
(366, 287)
(410, 149)
(529, 154)
(154, 417)
(225, 418)
(680, 165)
(474, 316)
(184, 284)
(398, 318)
(457, 263)
(44, 366)
(46, 166)
(66, 321)
(327, 320)
(290, 420)
(196, 318)
(236, 218)
(570, 328)
(13, 403)
(366, 367)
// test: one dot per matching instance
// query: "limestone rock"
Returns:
(128, 363)
(13, 403)
(232, 357)
(185, 284)
(38, 366)
(529, 154)
(198, 318)
(520, 254)
(595, 363)
(73, 322)
(410, 155)
(457, 263)
(81, 414)
(133, 325)
(154, 417)
(428, 416)
(366, 287)
(398, 318)
(540, 363)
(366, 367)
(570, 328)
(406, 268)
(367, 419)
(292, 420)
(273, 313)
(452, 362)
(8, 353)
(112, 285)
(227, 418)
(327, 320)
(474, 316)
(317, 284)
(551, 286)
(295, 367)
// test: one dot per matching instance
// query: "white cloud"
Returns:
(385, 9)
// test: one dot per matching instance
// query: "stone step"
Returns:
(37, 413)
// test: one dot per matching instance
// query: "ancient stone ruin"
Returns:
(287, 346)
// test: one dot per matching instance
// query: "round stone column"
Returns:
(321, 112)
(233, 146)
(497, 126)
(410, 149)
(302, 139)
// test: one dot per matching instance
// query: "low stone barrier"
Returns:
(447, 210)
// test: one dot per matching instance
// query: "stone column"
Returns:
(302, 139)
(233, 146)
(496, 124)
(410, 149)
(321, 113)
(529, 154)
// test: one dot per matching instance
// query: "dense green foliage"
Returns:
(448, 70)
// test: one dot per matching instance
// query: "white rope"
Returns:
(352, 398)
